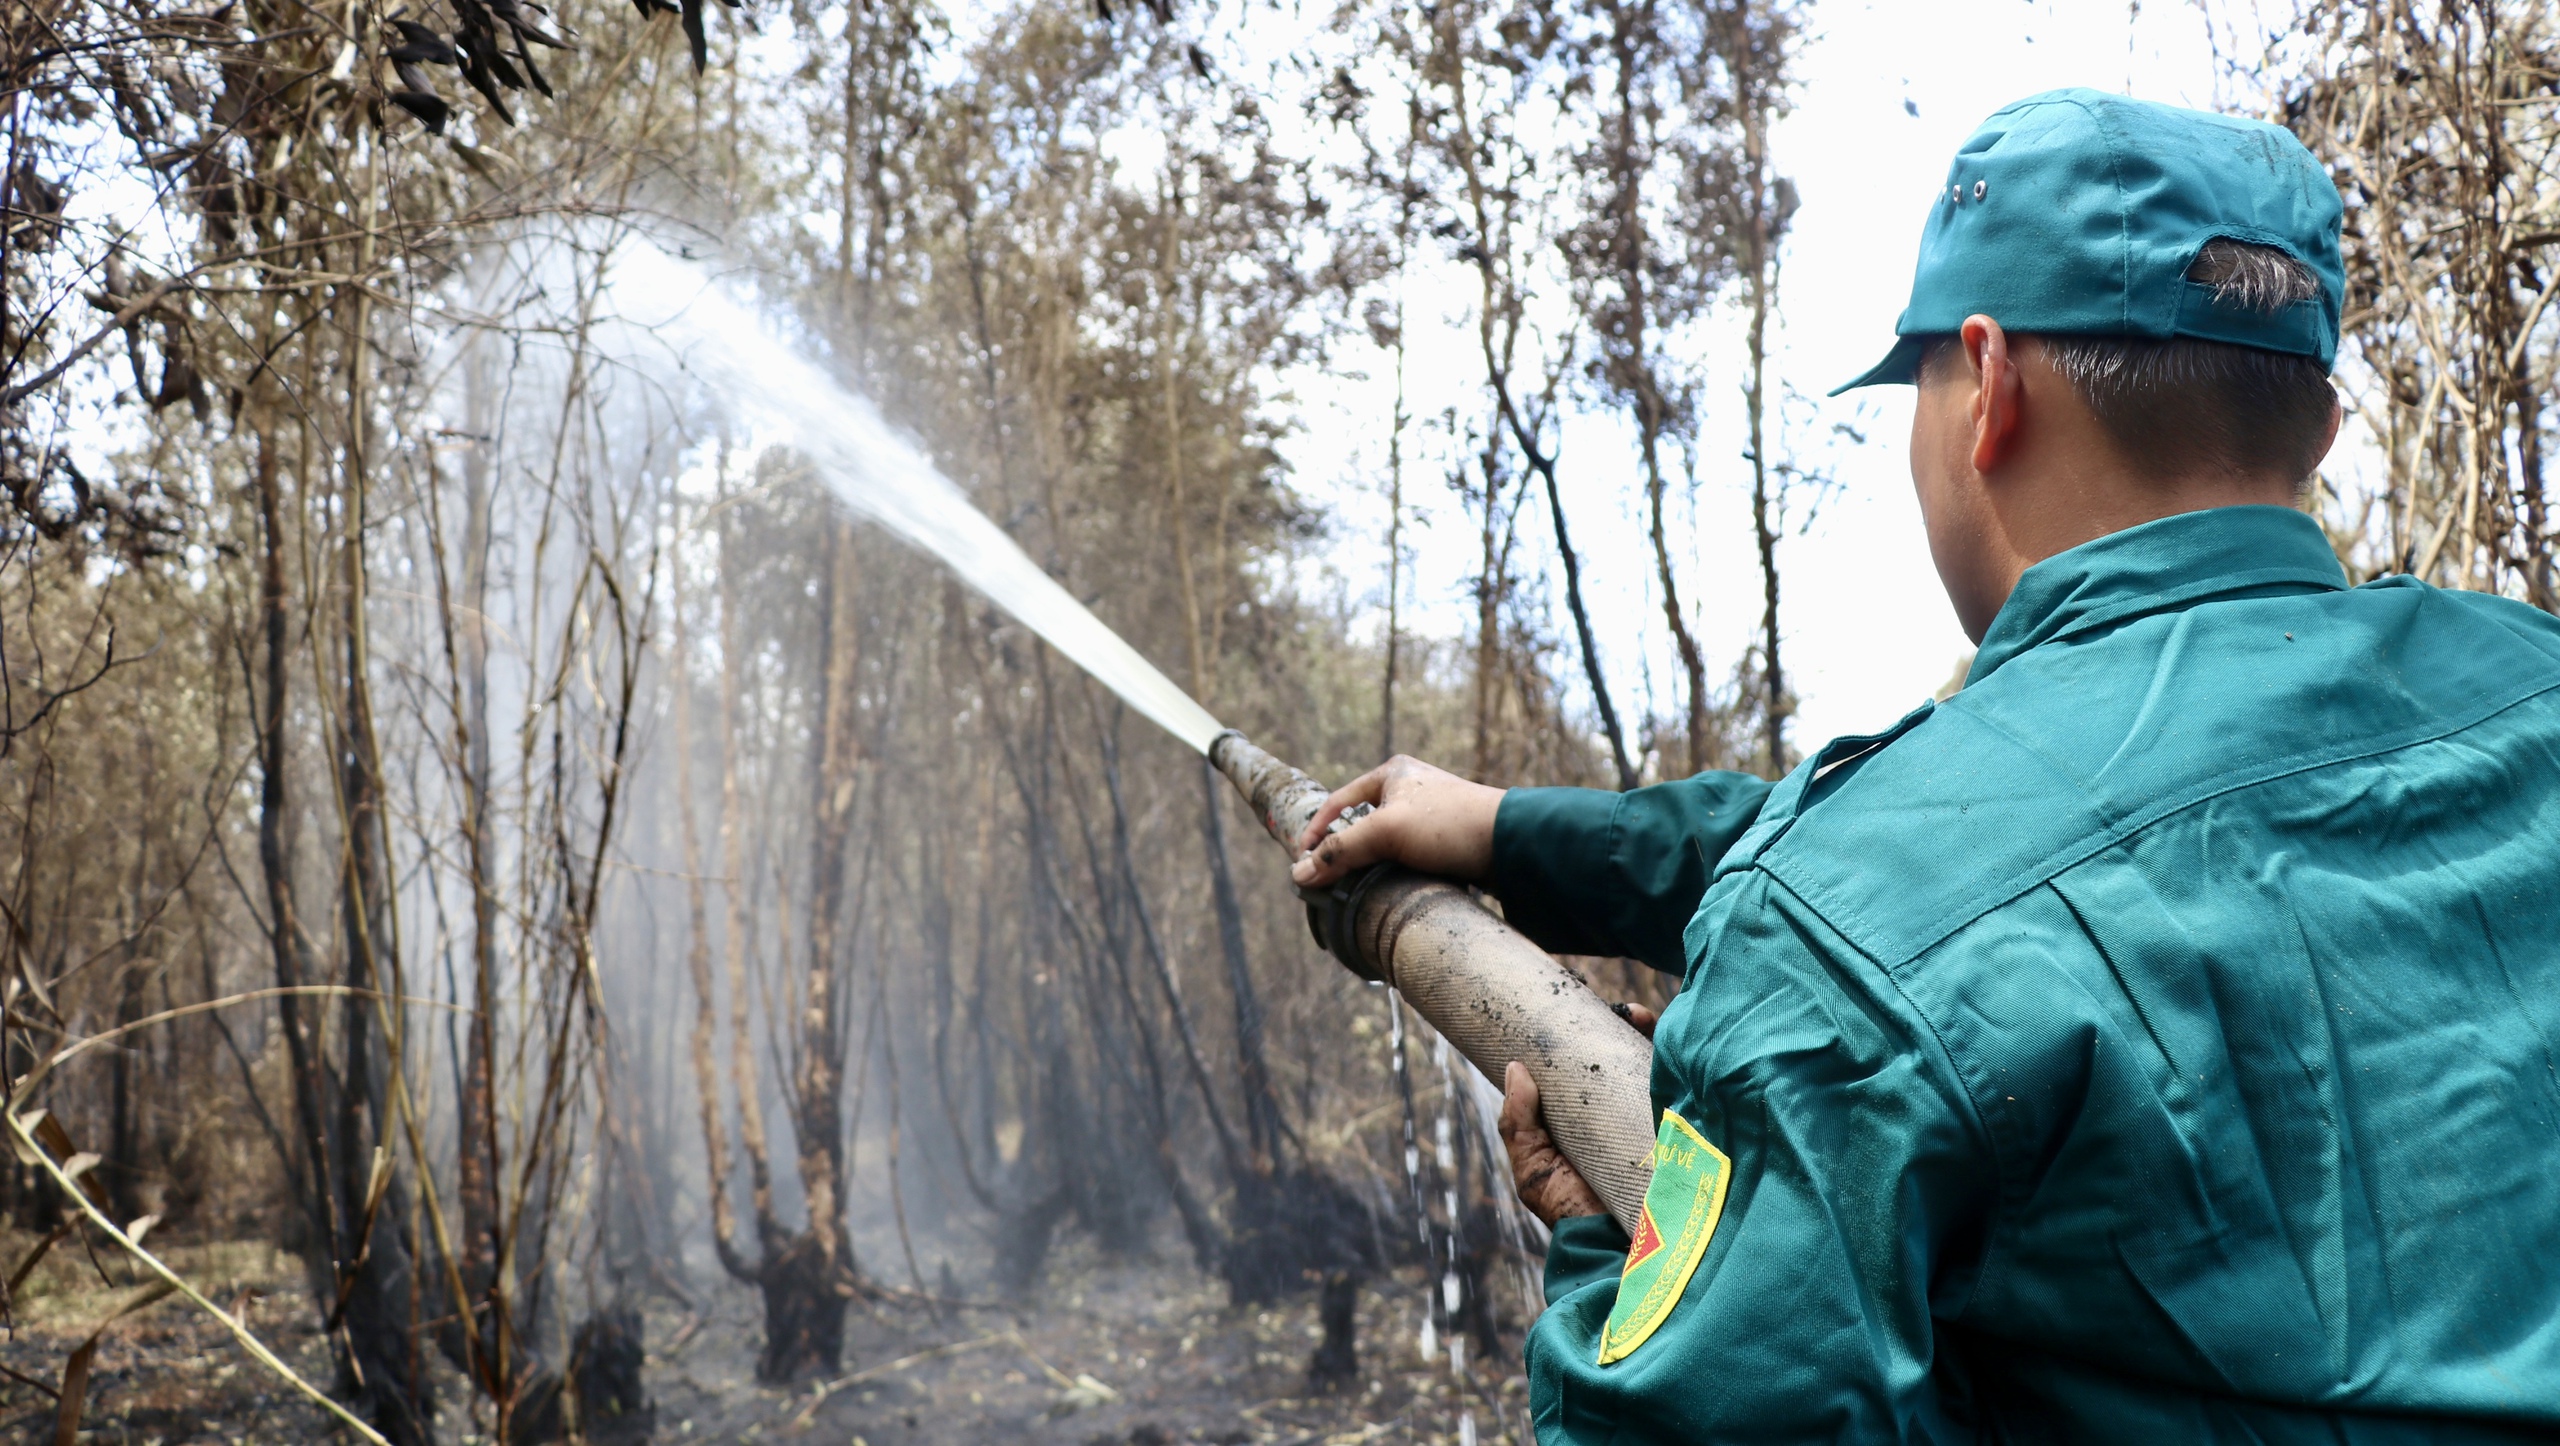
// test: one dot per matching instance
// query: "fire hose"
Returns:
(1496, 996)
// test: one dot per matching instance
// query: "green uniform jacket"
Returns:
(2159, 1041)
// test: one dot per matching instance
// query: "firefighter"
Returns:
(2159, 1039)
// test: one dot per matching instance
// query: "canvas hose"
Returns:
(1496, 996)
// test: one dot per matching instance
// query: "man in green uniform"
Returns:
(2159, 1040)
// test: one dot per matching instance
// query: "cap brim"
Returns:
(1900, 365)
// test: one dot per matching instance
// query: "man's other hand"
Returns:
(1431, 821)
(1547, 1182)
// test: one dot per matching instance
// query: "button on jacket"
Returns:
(2157, 1041)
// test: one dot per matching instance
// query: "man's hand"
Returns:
(1547, 1182)
(1426, 819)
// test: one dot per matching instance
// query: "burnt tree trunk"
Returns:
(124, 1170)
(289, 942)
(809, 1282)
(374, 1315)
(1261, 1106)
(1336, 1363)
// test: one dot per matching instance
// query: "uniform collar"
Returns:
(2172, 563)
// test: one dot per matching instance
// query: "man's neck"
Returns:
(2040, 515)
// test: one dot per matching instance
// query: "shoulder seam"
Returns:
(1832, 909)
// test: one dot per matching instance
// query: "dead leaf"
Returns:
(31, 1122)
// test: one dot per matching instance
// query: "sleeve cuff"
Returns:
(1584, 1250)
(1548, 845)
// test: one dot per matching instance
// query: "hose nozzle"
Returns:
(1282, 797)
(1285, 800)
(1494, 994)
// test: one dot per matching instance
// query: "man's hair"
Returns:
(2182, 405)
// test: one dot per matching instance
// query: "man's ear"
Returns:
(1999, 392)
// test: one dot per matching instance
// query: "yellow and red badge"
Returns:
(1681, 1208)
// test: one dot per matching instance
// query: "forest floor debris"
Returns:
(1145, 1353)
(1110, 1352)
(170, 1374)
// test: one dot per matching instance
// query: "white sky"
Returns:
(1867, 632)
(1888, 88)
(1871, 631)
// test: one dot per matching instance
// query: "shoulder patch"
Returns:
(1681, 1208)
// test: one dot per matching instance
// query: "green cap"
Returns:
(2079, 212)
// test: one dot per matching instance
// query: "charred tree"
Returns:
(807, 1276)
(373, 1312)
(807, 1286)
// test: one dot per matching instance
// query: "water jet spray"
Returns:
(1496, 996)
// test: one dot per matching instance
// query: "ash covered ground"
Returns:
(1146, 1353)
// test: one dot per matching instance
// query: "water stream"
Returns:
(721, 343)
